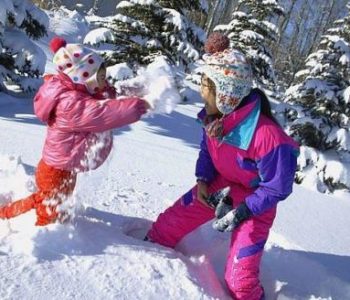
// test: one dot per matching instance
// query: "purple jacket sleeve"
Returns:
(205, 170)
(276, 170)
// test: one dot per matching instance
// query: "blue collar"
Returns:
(242, 134)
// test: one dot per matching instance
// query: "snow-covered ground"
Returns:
(101, 255)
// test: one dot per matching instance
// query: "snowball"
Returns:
(155, 84)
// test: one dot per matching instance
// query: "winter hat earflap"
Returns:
(78, 62)
(229, 70)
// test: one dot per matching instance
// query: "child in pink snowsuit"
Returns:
(243, 148)
(80, 110)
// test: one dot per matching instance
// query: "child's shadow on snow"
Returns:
(176, 125)
(92, 233)
(18, 110)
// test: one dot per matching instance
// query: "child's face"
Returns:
(101, 77)
(208, 94)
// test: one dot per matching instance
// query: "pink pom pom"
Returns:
(56, 43)
(216, 42)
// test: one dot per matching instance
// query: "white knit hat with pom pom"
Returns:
(229, 70)
(78, 62)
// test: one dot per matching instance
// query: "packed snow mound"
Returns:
(98, 244)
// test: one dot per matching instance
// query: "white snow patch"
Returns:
(119, 72)
(99, 35)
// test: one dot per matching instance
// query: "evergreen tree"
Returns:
(144, 29)
(320, 111)
(250, 31)
(21, 61)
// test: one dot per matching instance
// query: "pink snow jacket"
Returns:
(255, 155)
(79, 136)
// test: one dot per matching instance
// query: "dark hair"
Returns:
(102, 66)
(265, 104)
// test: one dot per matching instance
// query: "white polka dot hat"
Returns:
(78, 62)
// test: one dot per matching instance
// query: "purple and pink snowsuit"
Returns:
(258, 161)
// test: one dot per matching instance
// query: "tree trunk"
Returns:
(320, 27)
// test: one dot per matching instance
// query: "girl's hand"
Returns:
(202, 192)
(147, 105)
(142, 107)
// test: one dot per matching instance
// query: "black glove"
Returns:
(228, 220)
(224, 207)
(215, 198)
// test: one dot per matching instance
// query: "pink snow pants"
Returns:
(247, 241)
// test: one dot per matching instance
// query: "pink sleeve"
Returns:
(85, 113)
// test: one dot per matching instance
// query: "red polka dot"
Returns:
(60, 67)
(76, 54)
(86, 74)
(69, 65)
(96, 89)
(91, 61)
